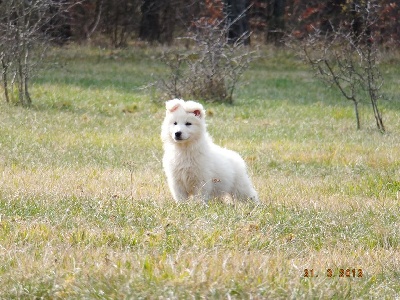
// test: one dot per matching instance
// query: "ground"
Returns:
(85, 211)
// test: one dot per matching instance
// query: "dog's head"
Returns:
(184, 121)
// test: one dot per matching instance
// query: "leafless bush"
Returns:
(212, 67)
(25, 28)
(348, 59)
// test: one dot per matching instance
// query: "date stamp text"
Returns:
(350, 272)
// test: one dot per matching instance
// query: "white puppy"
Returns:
(194, 165)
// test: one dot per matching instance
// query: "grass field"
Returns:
(85, 212)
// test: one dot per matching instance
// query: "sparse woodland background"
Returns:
(346, 37)
(125, 21)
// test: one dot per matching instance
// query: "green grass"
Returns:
(85, 212)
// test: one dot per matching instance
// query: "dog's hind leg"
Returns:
(245, 190)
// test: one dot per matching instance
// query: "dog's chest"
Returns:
(190, 171)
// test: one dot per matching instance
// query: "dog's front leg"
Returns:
(178, 191)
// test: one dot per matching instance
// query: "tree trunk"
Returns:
(238, 21)
(276, 22)
(357, 114)
(168, 22)
(5, 79)
(150, 22)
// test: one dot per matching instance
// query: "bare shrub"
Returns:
(211, 68)
(348, 59)
(25, 29)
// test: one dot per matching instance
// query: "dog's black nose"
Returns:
(178, 134)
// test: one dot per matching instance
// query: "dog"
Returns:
(194, 165)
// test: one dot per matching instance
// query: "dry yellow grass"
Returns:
(85, 211)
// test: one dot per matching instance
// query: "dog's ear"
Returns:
(197, 113)
(173, 105)
(195, 108)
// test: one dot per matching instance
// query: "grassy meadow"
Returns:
(85, 211)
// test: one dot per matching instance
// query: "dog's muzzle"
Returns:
(178, 135)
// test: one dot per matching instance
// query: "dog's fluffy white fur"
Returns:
(194, 165)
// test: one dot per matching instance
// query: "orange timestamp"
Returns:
(350, 272)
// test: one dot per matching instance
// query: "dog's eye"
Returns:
(188, 124)
(175, 123)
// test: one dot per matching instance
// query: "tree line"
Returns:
(161, 21)
(339, 39)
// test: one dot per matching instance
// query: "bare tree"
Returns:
(348, 59)
(85, 18)
(24, 35)
(119, 20)
(211, 69)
